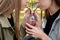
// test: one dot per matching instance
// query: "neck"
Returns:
(53, 9)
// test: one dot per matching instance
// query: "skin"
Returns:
(37, 31)
(23, 4)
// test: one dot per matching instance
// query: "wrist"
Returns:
(44, 37)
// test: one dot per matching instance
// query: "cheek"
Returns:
(44, 4)
(23, 5)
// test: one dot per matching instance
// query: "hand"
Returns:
(26, 15)
(26, 18)
(36, 32)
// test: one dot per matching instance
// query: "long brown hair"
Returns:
(57, 2)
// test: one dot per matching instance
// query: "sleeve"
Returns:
(22, 30)
(0, 31)
(50, 38)
(1, 36)
(58, 32)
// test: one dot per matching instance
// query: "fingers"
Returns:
(29, 30)
(28, 11)
(26, 18)
(38, 20)
(29, 26)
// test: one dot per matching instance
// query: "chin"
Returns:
(43, 8)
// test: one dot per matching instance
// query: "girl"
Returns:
(6, 20)
(52, 27)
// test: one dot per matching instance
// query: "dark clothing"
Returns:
(11, 21)
(50, 21)
(30, 38)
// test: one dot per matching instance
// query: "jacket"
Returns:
(6, 31)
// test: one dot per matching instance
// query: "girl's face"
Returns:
(45, 4)
(24, 3)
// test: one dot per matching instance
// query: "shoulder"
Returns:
(58, 20)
